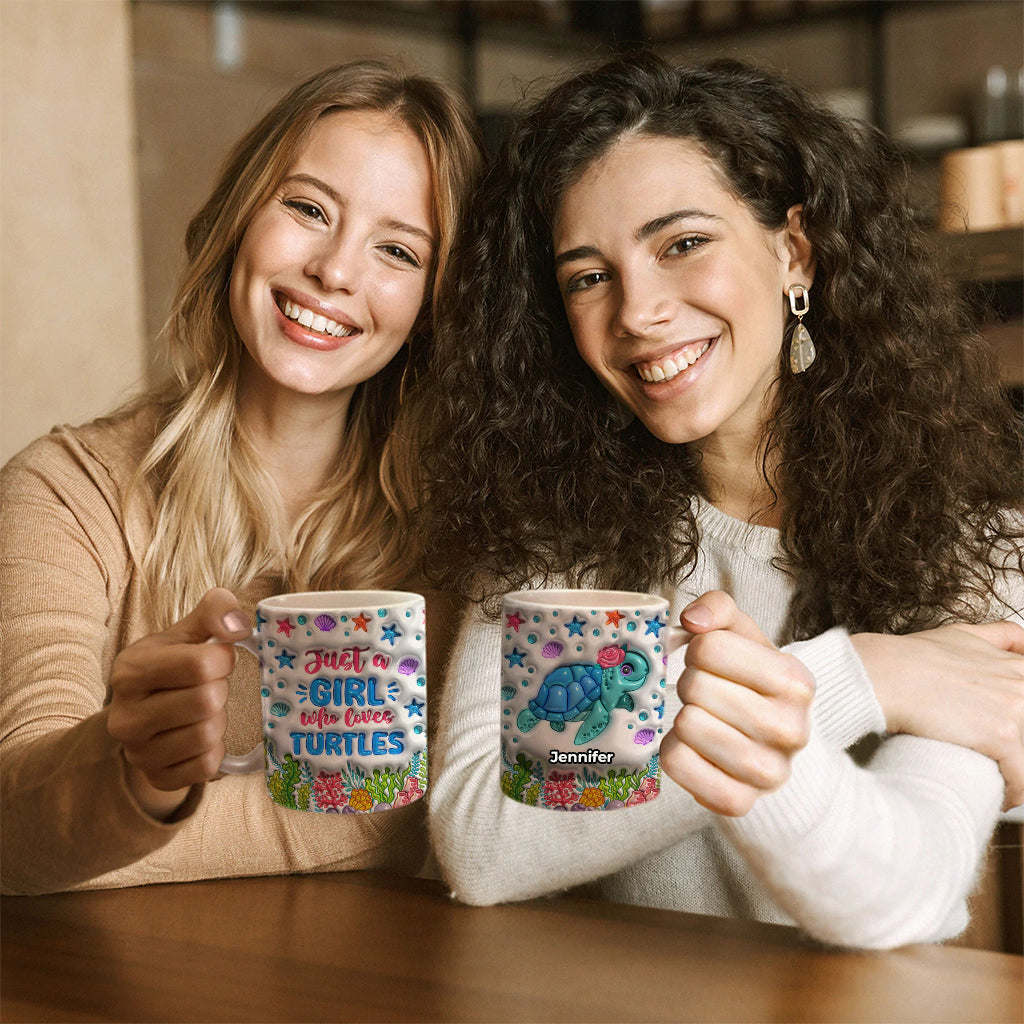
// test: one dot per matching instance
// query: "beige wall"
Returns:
(71, 342)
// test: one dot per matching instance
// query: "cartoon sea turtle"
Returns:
(587, 691)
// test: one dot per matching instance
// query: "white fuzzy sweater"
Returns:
(874, 857)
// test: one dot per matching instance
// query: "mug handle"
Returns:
(242, 764)
(677, 637)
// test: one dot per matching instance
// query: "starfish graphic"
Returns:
(516, 657)
(415, 707)
(575, 627)
(515, 620)
(361, 622)
(390, 633)
(284, 659)
(613, 618)
(285, 626)
(653, 626)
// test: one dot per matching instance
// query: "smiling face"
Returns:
(673, 290)
(332, 270)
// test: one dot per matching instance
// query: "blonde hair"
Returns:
(217, 516)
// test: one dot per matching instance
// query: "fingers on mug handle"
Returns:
(242, 764)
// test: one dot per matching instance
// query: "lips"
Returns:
(314, 321)
(666, 367)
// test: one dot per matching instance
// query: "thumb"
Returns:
(717, 610)
(218, 616)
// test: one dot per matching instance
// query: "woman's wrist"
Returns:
(157, 803)
(872, 650)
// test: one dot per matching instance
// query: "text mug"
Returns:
(582, 697)
(343, 687)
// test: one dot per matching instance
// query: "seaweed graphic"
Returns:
(619, 787)
(418, 766)
(283, 782)
(305, 789)
(514, 781)
(384, 785)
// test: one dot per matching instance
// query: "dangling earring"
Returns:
(801, 348)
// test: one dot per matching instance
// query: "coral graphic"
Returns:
(587, 790)
(561, 789)
(647, 790)
(360, 800)
(329, 792)
(292, 785)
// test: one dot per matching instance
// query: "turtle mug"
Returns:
(582, 697)
(343, 686)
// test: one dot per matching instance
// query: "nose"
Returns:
(644, 304)
(335, 264)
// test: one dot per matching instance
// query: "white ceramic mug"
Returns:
(343, 684)
(582, 696)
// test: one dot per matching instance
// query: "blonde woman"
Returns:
(272, 461)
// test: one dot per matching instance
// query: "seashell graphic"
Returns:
(552, 649)
(279, 709)
(643, 736)
(324, 623)
(508, 692)
(407, 666)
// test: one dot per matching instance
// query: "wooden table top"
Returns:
(369, 947)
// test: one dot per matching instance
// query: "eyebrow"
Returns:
(336, 197)
(652, 227)
(642, 234)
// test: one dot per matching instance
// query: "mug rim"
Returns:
(339, 600)
(553, 598)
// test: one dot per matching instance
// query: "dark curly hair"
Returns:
(898, 455)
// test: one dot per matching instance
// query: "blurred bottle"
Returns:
(1000, 107)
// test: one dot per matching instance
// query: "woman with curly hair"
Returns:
(275, 459)
(699, 347)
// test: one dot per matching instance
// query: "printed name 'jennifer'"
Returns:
(585, 756)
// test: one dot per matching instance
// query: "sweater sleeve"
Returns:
(493, 849)
(69, 819)
(67, 812)
(879, 856)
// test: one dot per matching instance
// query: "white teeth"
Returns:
(667, 368)
(314, 321)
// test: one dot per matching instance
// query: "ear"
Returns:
(799, 249)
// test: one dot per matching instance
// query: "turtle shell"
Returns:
(567, 693)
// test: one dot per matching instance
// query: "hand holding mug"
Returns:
(168, 693)
(746, 710)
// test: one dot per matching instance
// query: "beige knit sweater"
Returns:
(70, 600)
